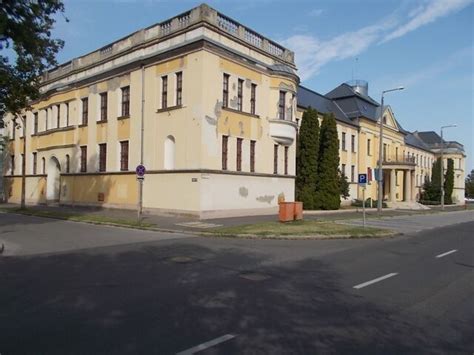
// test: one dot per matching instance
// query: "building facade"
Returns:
(206, 104)
(407, 156)
(211, 109)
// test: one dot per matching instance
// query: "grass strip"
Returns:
(96, 219)
(300, 228)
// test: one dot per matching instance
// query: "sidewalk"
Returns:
(186, 224)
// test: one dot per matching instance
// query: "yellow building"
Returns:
(210, 103)
(407, 157)
(211, 109)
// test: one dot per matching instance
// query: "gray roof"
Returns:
(353, 103)
(429, 137)
(344, 90)
(413, 140)
(309, 98)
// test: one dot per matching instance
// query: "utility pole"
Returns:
(381, 157)
(23, 161)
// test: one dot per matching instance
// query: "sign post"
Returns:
(140, 171)
(362, 183)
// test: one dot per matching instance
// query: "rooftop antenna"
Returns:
(354, 67)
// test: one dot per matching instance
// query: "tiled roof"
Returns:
(309, 98)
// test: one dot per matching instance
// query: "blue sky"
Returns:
(427, 46)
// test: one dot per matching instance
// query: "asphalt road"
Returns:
(72, 288)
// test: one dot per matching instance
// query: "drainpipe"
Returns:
(142, 130)
(23, 166)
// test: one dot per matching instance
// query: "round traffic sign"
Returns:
(140, 170)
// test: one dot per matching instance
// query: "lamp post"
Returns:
(23, 161)
(442, 163)
(380, 174)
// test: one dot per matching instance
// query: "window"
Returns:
(286, 160)
(224, 152)
(46, 119)
(103, 106)
(275, 159)
(58, 116)
(252, 156)
(240, 88)
(12, 164)
(35, 162)
(225, 91)
(67, 114)
(68, 164)
(102, 156)
(253, 92)
(281, 105)
(43, 165)
(396, 153)
(83, 159)
(35, 123)
(85, 111)
(459, 164)
(384, 151)
(124, 156)
(343, 141)
(126, 101)
(353, 173)
(384, 119)
(239, 154)
(396, 178)
(343, 169)
(353, 139)
(170, 152)
(179, 89)
(164, 92)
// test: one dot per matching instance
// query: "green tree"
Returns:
(469, 185)
(307, 159)
(328, 183)
(25, 37)
(432, 189)
(343, 185)
(449, 183)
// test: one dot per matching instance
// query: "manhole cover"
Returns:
(182, 259)
(254, 276)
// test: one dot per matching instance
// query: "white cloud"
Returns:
(434, 70)
(313, 53)
(426, 14)
(316, 12)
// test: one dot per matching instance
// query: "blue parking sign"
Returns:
(362, 179)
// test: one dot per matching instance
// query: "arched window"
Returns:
(170, 152)
(67, 163)
(43, 162)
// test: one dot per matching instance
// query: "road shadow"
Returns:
(168, 298)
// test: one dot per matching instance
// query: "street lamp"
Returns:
(442, 163)
(380, 174)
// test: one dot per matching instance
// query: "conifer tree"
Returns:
(307, 159)
(433, 187)
(449, 183)
(328, 183)
(469, 185)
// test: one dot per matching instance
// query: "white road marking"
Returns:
(198, 225)
(375, 280)
(447, 253)
(206, 345)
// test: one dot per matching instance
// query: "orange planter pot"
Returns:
(298, 211)
(286, 212)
